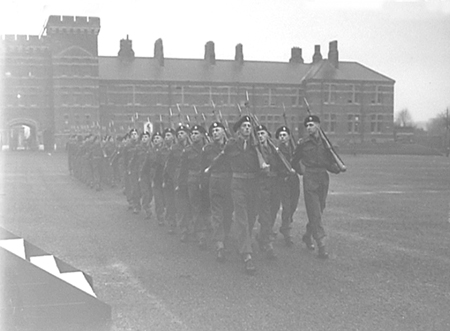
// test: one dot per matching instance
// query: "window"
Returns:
(329, 123)
(376, 123)
(353, 123)
(329, 93)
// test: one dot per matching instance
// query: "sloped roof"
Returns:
(347, 71)
(199, 70)
(230, 71)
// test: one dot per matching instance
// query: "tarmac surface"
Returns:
(155, 282)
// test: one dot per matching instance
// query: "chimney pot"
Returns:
(296, 55)
(126, 49)
(333, 54)
(159, 52)
(317, 57)
(239, 55)
(210, 55)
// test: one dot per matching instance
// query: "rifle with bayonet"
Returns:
(328, 145)
(274, 147)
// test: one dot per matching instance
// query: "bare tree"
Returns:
(404, 118)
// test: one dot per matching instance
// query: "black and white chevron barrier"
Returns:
(41, 292)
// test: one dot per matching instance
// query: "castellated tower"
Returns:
(73, 44)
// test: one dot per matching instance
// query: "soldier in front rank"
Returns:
(143, 154)
(311, 151)
(191, 176)
(219, 188)
(288, 185)
(242, 154)
(168, 181)
(267, 194)
(87, 160)
(97, 157)
(172, 170)
(131, 178)
(156, 164)
(109, 148)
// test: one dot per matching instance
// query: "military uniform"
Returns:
(191, 176)
(312, 152)
(288, 190)
(155, 163)
(267, 198)
(243, 160)
(219, 183)
(178, 212)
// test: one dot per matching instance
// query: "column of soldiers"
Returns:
(202, 181)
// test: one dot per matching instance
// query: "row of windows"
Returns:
(329, 123)
(353, 94)
(188, 96)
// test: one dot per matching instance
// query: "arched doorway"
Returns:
(21, 134)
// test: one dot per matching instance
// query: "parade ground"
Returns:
(388, 235)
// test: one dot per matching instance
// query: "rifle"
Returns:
(262, 163)
(225, 124)
(291, 140)
(170, 118)
(328, 144)
(277, 150)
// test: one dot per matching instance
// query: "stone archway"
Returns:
(21, 134)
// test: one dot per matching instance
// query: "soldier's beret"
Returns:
(311, 118)
(170, 130)
(215, 125)
(182, 127)
(157, 133)
(198, 127)
(262, 127)
(238, 124)
(283, 128)
(133, 130)
(144, 134)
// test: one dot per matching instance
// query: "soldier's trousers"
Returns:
(198, 201)
(184, 215)
(160, 205)
(145, 185)
(315, 189)
(98, 174)
(288, 192)
(171, 207)
(221, 208)
(244, 193)
(266, 204)
(135, 189)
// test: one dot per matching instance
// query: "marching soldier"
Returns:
(288, 185)
(192, 178)
(160, 152)
(97, 156)
(171, 172)
(311, 151)
(131, 175)
(143, 153)
(243, 157)
(219, 188)
(267, 194)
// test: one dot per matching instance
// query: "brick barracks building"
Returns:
(56, 85)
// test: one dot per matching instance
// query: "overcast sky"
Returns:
(408, 41)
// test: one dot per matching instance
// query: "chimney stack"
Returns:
(126, 49)
(333, 54)
(239, 55)
(210, 55)
(296, 55)
(159, 52)
(317, 57)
